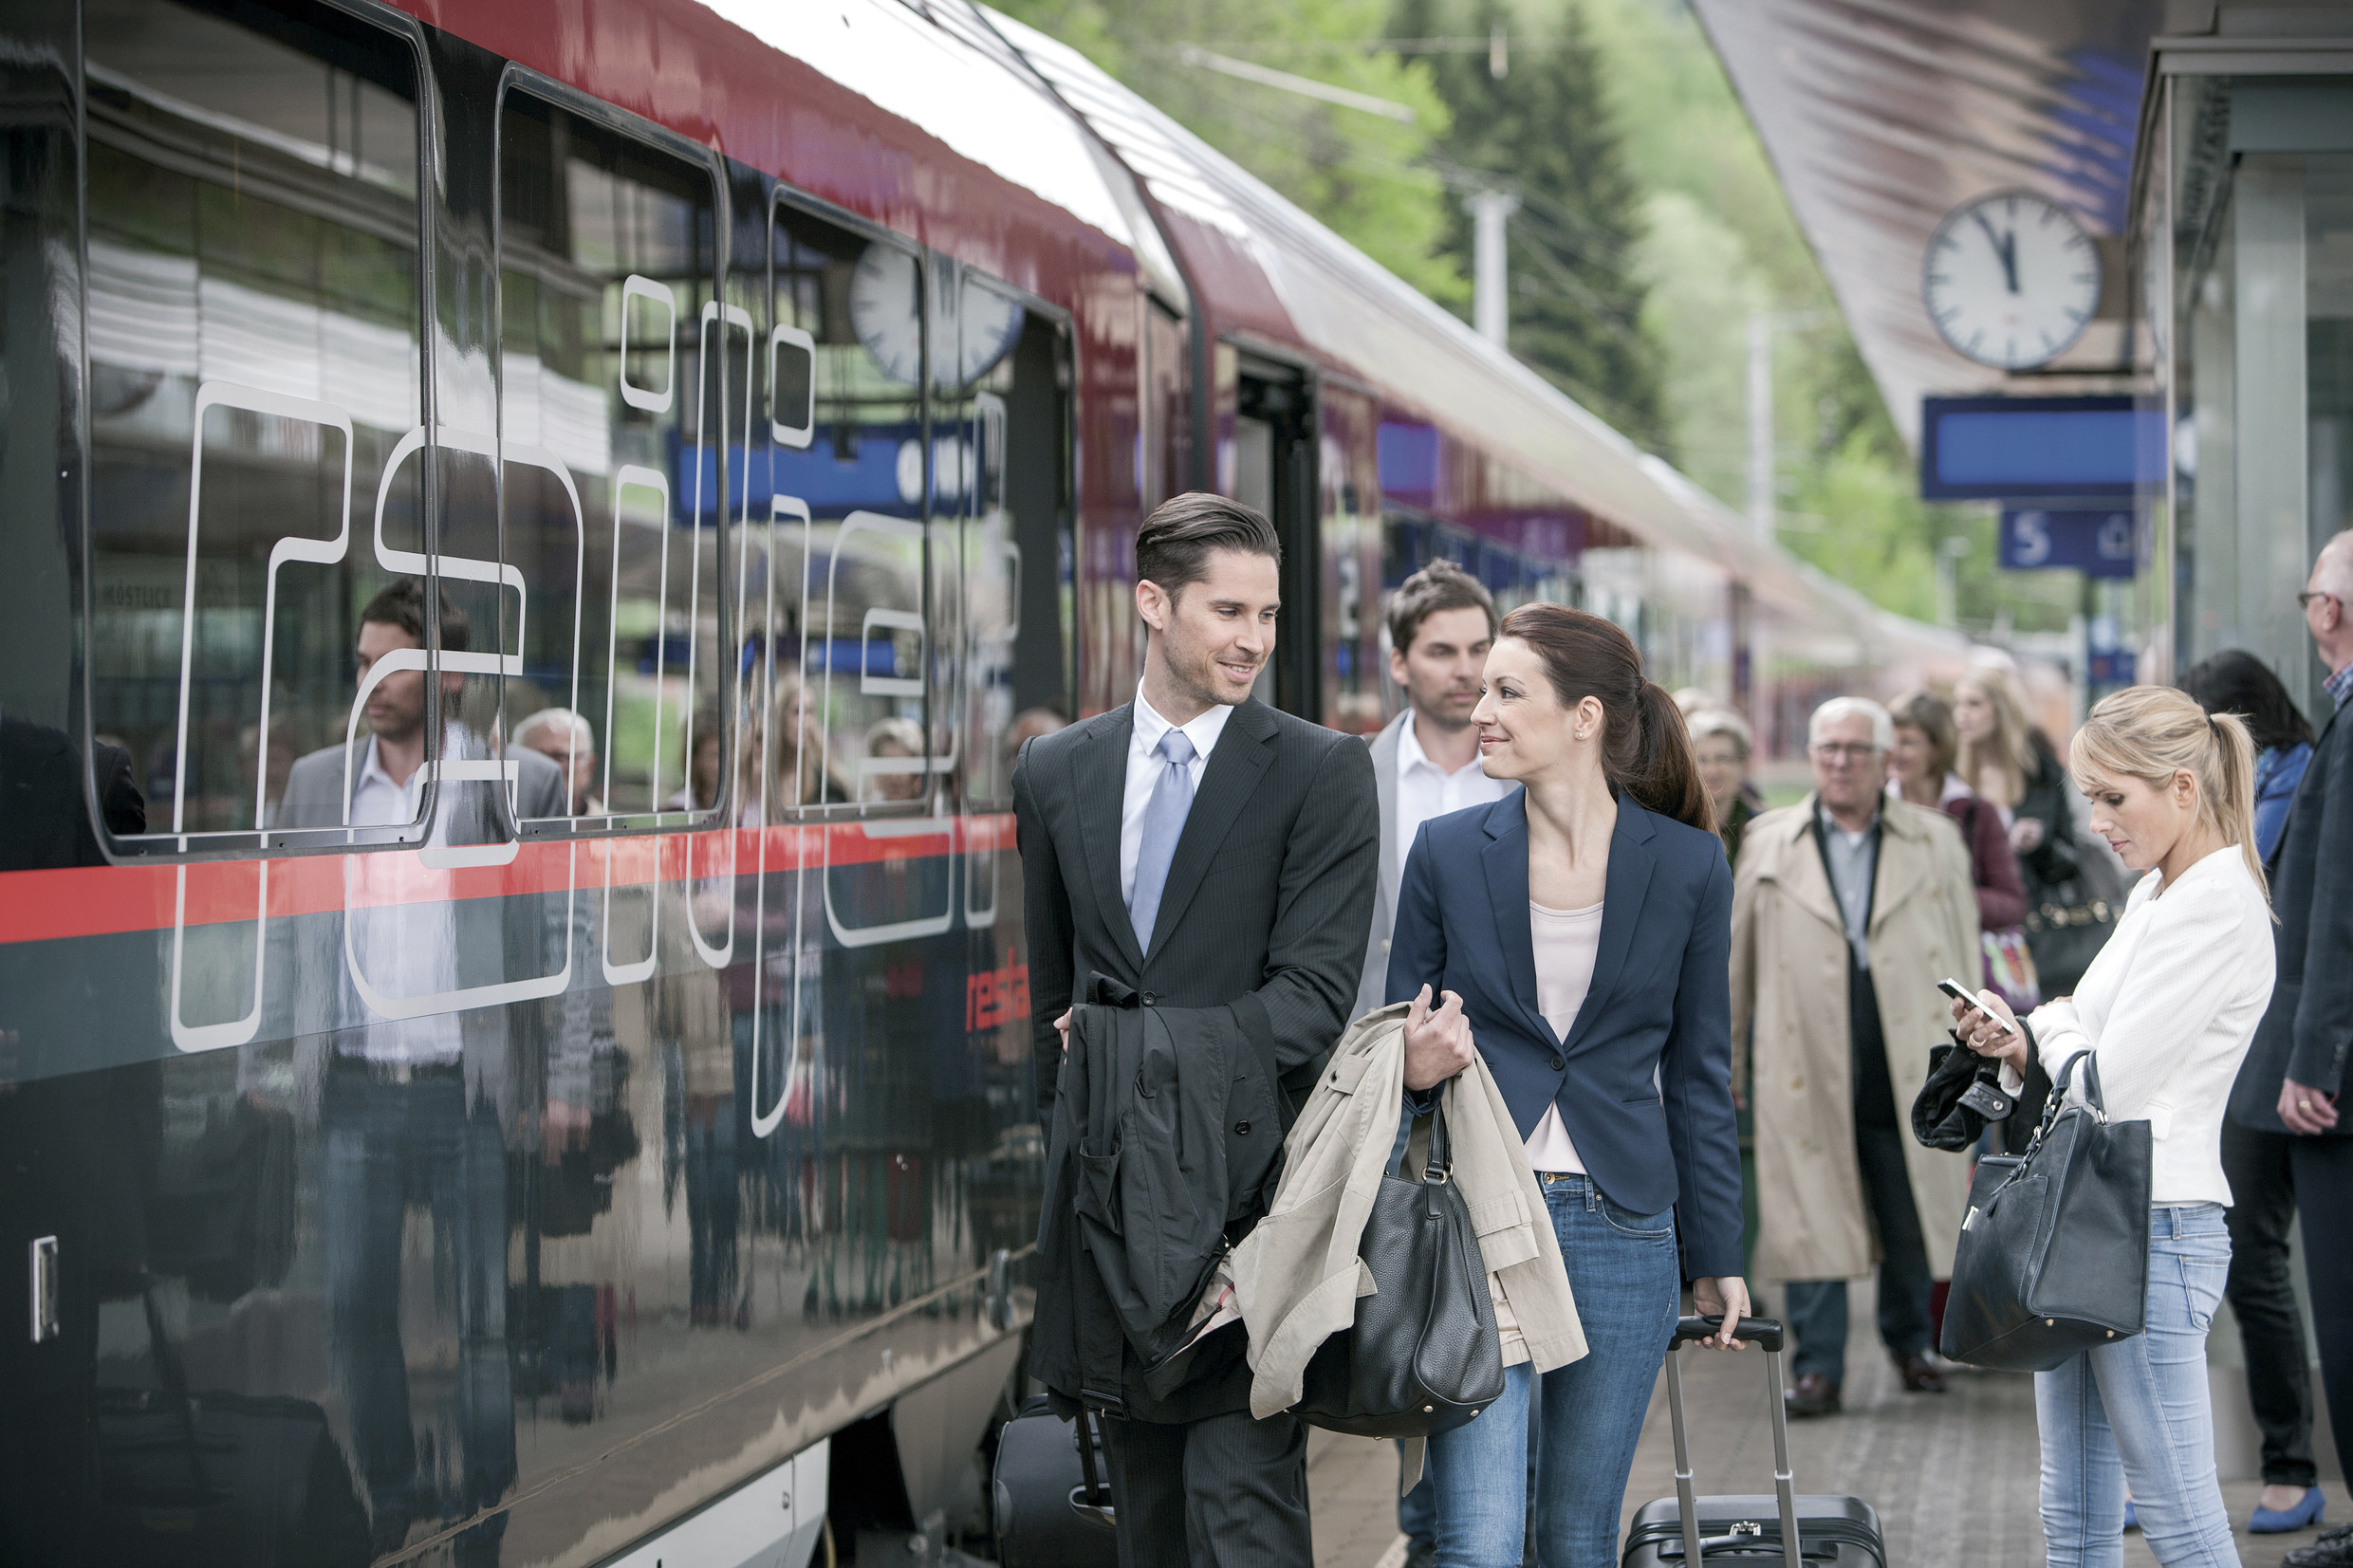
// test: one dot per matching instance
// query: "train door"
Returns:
(1274, 470)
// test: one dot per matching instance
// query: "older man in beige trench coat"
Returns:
(1848, 909)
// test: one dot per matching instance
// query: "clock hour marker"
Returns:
(2010, 278)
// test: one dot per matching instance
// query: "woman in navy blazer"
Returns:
(1627, 1109)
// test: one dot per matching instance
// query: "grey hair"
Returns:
(551, 718)
(1883, 727)
(1723, 721)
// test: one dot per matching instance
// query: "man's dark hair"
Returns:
(1174, 546)
(401, 604)
(1441, 585)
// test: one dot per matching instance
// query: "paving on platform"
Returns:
(1953, 1476)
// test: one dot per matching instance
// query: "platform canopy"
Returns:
(1882, 116)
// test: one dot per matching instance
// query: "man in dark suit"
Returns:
(2295, 1071)
(1205, 850)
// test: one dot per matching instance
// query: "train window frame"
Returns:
(183, 846)
(564, 99)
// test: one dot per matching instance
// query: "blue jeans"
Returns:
(1624, 1270)
(2137, 1412)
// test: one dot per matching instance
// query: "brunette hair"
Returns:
(1437, 588)
(1926, 712)
(1646, 749)
(2234, 681)
(2152, 732)
(1173, 547)
(402, 602)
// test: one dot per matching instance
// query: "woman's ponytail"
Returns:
(1646, 747)
(2233, 789)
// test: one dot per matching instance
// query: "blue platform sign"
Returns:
(2098, 544)
(2017, 449)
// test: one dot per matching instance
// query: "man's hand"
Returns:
(1729, 1296)
(1062, 1024)
(563, 1126)
(1437, 1044)
(2305, 1109)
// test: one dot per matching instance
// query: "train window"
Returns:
(845, 679)
(625, 399)
(252, 308)
(979, 363)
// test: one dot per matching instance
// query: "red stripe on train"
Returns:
(37, 906)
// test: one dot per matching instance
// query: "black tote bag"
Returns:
(1423, 1356)
(2054, 1251)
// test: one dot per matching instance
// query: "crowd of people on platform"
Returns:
(1709, 1018)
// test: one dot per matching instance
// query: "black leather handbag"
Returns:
(1423, 1356)
(2054, 1251)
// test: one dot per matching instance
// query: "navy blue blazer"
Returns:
(1661, 1001)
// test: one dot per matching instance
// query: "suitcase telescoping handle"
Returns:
(1764, 1333)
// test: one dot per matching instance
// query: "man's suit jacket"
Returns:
(2306, 1031)
(1660, 1004)
(1266, 901)
(496, 938)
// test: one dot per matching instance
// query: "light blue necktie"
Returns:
(1164, 823)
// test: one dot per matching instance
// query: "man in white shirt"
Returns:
(1426, 760)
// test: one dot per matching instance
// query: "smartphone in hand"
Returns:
(1962, 995)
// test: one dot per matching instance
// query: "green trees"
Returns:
(1544, 130)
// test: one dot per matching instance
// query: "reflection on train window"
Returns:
(846, 681)
(977, 368)
(253, 308)
(623, 379)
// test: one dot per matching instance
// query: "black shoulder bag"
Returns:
(1423, 1356)
(2054, 1251)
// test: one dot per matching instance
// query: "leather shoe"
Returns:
(2333, 1550)
(1920, 1373)
(1815, 1395)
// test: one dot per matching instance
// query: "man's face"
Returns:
(396, 709)
(568, 750)
(2323, 612)
(1439, 670)
(1216, 633)
(1848, 768)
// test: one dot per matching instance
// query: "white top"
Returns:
(2168, 1009)
(1567, 943)
(1144, 767)
(1426, 790)
(404, 949)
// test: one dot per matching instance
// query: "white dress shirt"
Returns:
(404, 949)
(2168, 1009)
(1146, 766)
(1426, 790)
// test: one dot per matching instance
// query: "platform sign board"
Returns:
(2098, 544)
(2036, 449)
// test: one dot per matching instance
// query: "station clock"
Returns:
(2010, 280)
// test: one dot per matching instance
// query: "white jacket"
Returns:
(2168, 1009)
(1297, 1275)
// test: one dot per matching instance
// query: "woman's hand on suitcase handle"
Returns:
(1729, 1297)
(1437, 1044)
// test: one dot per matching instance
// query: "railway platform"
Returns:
(1953, 1476)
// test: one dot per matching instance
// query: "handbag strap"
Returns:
(2092, 1097)
(1427, 1146)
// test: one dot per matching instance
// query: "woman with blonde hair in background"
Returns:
(800, 772)
(2008, 762)
(2166, 1010)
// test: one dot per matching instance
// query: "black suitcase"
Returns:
(1052, 1501)
(1748, 1531)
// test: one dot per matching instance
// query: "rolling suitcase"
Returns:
(1755, 1531)
(1052, 1498)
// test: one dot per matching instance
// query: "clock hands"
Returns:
(2004, 248)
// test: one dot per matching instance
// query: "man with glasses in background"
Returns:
(1848, 909)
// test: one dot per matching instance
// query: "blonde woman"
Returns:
(800, 773)
(2007, 761)
(2167, 1009)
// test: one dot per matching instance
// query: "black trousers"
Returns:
(2323, 1174)
(1222, 1492)
(2271, 1325)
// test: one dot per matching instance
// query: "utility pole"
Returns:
(1761, 423)
(1491, 309)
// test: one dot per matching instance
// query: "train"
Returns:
(626, 1151)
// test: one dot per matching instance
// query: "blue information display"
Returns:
(2015, 449)
(2098, 544)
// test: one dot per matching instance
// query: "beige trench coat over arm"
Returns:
(1789, 985)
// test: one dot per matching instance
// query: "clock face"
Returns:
(971, 327)
(2012, 280)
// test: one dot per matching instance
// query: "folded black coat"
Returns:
(1963, 1094)
(1165, 1149)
